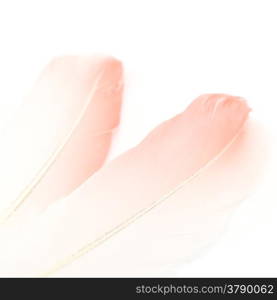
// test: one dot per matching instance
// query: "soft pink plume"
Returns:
(61, 134)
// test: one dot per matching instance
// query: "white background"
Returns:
(173, 51)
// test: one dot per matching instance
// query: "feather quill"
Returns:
(135, 213)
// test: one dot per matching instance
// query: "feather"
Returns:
(184, 223)
(144, 201)
(61, 134)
